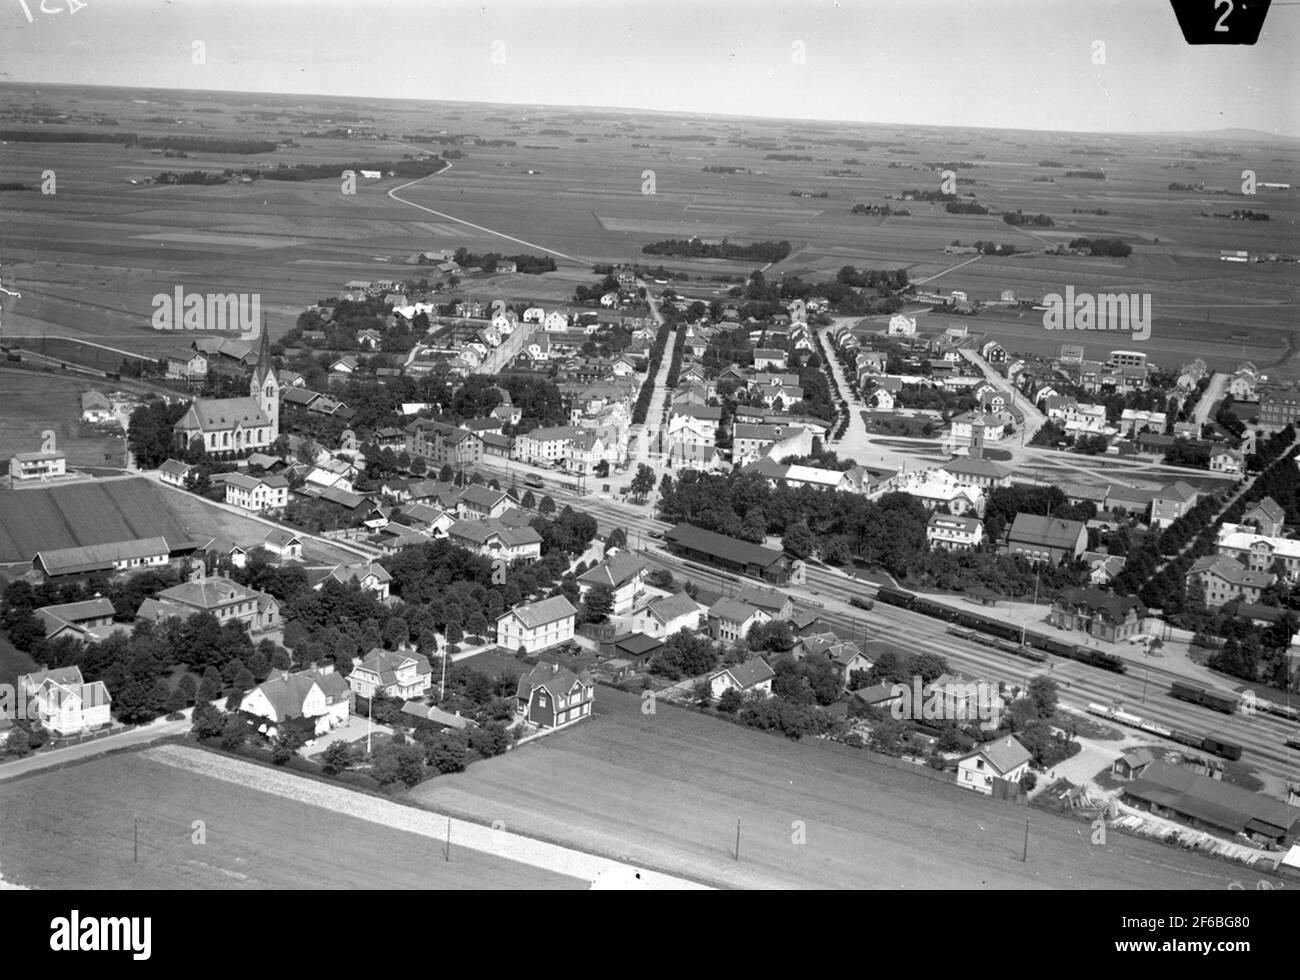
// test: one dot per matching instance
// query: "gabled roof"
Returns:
(482, 496)
(722, 546)
(72, 612)
(1178, 491)
(554, 679)
(616, 570)
(91, 557)
(1232, 571)
(220, 414)
(1270, 508)
(386, 663)
(1102, 604)
(769, 600)
(1003, 754)
(732, 610)
(751, 672)
(669, 607)
(977, 467)
(1047, 532)
(535, 614)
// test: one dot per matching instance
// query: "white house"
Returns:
(667, 615)
(1004, 758)
(96, 408)
(556, 321)
(623, 573)
(175, 473)
(393, 673)
(321, 698)
(537, 625)
(948, 533)
(65, 703)
(730, 620)
(752, 676)
(257, 493)
(534, 314)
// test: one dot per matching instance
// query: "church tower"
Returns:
(265, 386)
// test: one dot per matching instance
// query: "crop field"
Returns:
(35, 402)
(89, 259)
(667, 790)
(75, 828)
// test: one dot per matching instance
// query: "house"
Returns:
(750, 442)
(175, 473)
(435, 715)
(548, 445)
(879, 695)
(77, 620)
(64, 703)
(478, 503)
(731, 620)
(96, 408)
(443, 444)
(1172, 503)
(368, 575)
(1098, 613)
(537, 626)
(769, 564)
(768, 358)
(623, 573)
(1224, 579)
(552, 696)
(1003, 758)
(948, 533)
(434, 521)
(1226, 460)
(257, 493)
(1046, 538)
(982, 473)
(495, 539)
(318, 700)
(394, 673)
(994, 353)
(1261, 553)
(1266, 516)
(844, 655)
(225, 599)
(1132, 764)
(667, 616)
(752, 677)
(1102, 569)
(38, 466)
(776, 604)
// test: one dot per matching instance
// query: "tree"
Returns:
(599, 603)
(396, 632)
(492, 739)
(394, 763)
(19, 743)
(547, 507)
(731, 701)
(233, 733)
(189, 687)
(701, 693)
(337, 757)
(616, 539)
(176, 701)
(244, 680)
(207, 721)
(1042, 693)
(446, 474)
(643, 482)
(447, 751)
(798, 541)
(528, 501)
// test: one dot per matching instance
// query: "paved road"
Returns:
(1209, 398)
(85, 750)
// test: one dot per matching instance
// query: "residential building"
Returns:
(78, 620)
(65, 704)
(1227, 460)
(1003, 758)
(96, 408)
(1172, 503)
(844, 655)
(257, 493)
(730, 620)
(1100, 614)
(1279, 406)
(1266, 516)
(778, 605)
(752, 677)
(225, 599)
(537, 626)
(1261, 553)
(1223, 578)
(38, 466)
(623, 573)
(369, 576)
(443, 444)
(478, 502)
(317, 700)
(549, 445)
(551, 696)
(493, 538)
(393, 673)
(751, 442)
(175, 473)
(1046, 538)
(668, 615)
(948, 533)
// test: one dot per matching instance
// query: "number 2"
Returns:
(1221, 26)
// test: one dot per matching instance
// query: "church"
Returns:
(238, 426)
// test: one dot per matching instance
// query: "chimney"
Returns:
(555, 667)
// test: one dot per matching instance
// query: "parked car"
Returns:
(656, 534)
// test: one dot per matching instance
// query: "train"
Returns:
(1006, 646)
(862, 603)
(1001, 629)
(1213, 743)
(1207, 697)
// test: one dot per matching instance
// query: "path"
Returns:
(1212, 395)
(46, 758)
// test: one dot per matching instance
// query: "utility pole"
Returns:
(137, 840)
(1024, 857)
(370, 704)
(738, 838)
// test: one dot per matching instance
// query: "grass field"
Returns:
(35, 401)
(74, 828)
(89, 260)
(667, 789)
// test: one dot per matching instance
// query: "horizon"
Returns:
(1104, 69)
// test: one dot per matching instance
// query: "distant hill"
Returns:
(1236, 135)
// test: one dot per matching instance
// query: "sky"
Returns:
(1105, 66)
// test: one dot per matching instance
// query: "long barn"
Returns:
(770, 564)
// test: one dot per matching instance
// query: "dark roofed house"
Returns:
(1212, 805)
(776, 604)
(1172, 503)
(1132, 763)
(732, 553)
(1046, 538)
(551, 696)
(1098, 613)
(76, 619)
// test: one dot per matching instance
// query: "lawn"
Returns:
(35, 402)
(75, 828)
(666, 790)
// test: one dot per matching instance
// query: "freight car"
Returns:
(1206, 697)
(895, 597)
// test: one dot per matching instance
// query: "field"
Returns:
(89, 259)
(35, 402)
(74, 828)
(667, 790)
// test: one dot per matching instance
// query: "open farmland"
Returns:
(89, 259)
(667, 789)
(74, 828)
(35, 402)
